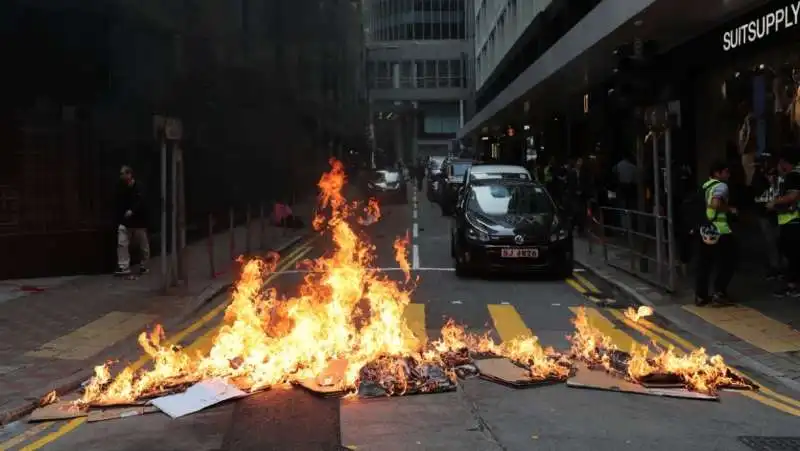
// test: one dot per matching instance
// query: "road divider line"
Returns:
(507, 322)
(622, 340)
(25, 435)
(415, 230)
(196, 344)
(586, 283)
(654, 337)
(415, 257)
(414, 315)
(53, 436)
(575, 285)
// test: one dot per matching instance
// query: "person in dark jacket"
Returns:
(131, 220)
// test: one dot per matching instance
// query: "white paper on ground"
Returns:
(198, 397)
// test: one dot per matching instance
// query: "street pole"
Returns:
(181, 194)
(174, 212)
(164, 231)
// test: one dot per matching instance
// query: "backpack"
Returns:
(694, 209)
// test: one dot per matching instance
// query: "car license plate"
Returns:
(519, 253)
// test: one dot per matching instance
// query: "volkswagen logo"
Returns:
(519, 239)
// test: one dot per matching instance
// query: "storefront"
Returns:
(747, 89)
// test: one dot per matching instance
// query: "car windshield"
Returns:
(387, 175)
(500, 175)
(498, 199)
(459, 169)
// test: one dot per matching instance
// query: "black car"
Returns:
(433, 177)
(387, 185)
(510, 225)
(450, 182)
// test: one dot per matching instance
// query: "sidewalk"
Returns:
(52, 331)
(760, 331)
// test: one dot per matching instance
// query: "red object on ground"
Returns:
(31, 289)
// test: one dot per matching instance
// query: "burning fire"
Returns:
(350, 314)
(635, 315)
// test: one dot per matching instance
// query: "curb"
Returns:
(74, 382)
(728, 352)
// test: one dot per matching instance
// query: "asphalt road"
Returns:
(480, 416)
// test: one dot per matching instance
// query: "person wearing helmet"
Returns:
(787, 206)
(717, 246)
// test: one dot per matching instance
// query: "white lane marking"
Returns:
(414, 213)
(415, 256)
(578, 270)
(456, 302)
(556, 305)
(415, 230)
(505, 302)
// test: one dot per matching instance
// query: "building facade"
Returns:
(267, 92)
(418, 76)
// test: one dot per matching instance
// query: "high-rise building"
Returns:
(417, 54)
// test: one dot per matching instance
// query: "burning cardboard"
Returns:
(505, 372)
(331, 382)
(59, 410)
(603, 380)
(117, 413)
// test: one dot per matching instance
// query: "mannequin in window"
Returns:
(747, 145)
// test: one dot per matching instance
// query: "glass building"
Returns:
(418, 74)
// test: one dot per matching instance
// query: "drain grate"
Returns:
(771, 443)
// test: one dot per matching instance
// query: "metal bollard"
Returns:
(231, 232)
(247, 230)
(211, 265)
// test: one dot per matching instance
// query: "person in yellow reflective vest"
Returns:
(787, 206)
(718, 247)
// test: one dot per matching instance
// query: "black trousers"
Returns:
(722, 256)
(789, 244)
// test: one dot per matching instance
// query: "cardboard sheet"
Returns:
(198, 397)
(59, 410)
(601, 380)
(506, 372)
(330, 382)
(119, 412)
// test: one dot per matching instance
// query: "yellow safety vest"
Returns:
(718, 218)
(792, 213)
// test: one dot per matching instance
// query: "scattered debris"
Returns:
(198, 397)
(116, 413)
(598, 379)
(48, 399)
(506, 372)
(60, 410)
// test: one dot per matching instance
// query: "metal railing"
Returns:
(636, 242)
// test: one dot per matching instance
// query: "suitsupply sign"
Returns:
(773, 22)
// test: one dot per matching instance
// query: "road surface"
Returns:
(480, 416)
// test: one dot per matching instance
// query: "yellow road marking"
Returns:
(755, 396)
(415, 320)
(586, 283)
(25, 435)
(53, 436)
(690, 347)
(622, 340)
(507, 322)
(751, 326)
(576, 286)
(204, 340)
(91, 339)
(660, 341)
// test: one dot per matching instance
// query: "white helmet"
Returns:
(709, 234)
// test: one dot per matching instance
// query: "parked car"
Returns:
(433, 177)
(387, 185)
(451, 179)
(510, 225)
(494, 171)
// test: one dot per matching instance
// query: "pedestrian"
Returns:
(131, 219)
(718, 249)
(787, 206)
(765, 185)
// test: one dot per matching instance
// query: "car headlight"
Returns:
(561, 234)
(477, 235)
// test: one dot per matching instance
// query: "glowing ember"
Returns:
(635, 315)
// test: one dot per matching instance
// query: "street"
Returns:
(481, 415)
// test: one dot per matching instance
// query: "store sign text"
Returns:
(761, 27)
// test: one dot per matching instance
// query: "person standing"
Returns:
(717, 245)
(787, 206)
(131, 220)
(765, 184)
